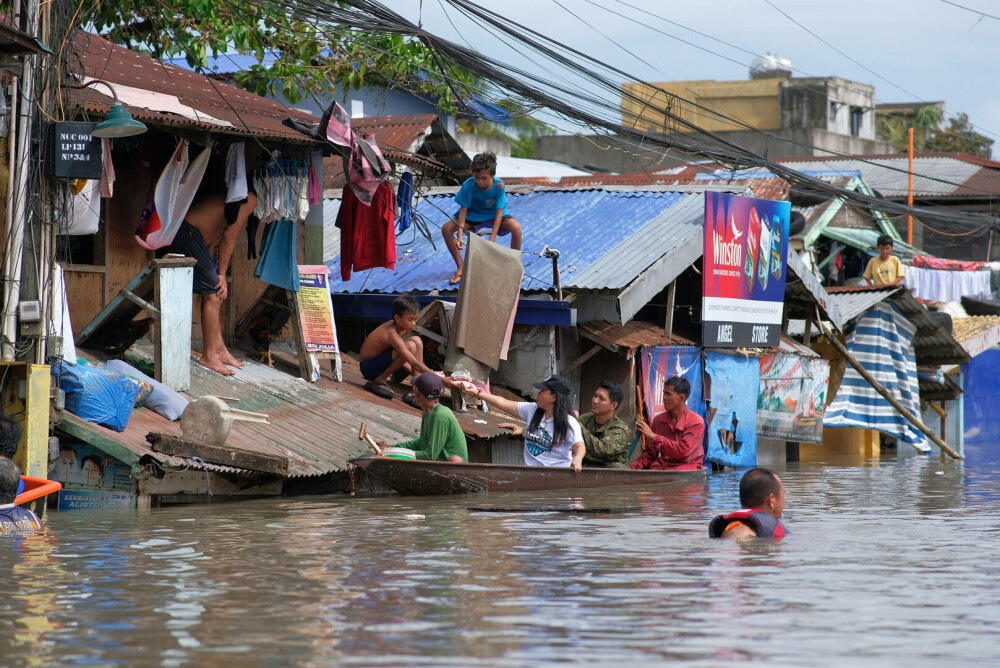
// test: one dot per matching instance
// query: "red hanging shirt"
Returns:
(367, 233)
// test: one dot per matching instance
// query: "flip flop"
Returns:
(410, 400)
(456, 278)
(379, 389)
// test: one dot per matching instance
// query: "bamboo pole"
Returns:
(912, 419)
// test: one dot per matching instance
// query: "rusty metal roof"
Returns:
(977, 333)
(14, 42)
(167, 96)
(633, 334)
(418, 140)
(316, 428)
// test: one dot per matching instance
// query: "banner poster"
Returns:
(730, 393)
(744, 263)
(79, 466)
(792, 398)
(662, 362)
(316, 312)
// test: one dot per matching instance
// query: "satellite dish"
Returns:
(770, 66)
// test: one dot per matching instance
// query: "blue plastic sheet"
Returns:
(982, 406)
(96, 395)
(731, 398)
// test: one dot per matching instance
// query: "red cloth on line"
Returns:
(676, 446)
(367, 233)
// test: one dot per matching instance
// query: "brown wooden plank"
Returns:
(225, 455)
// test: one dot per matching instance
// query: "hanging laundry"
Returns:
(236, 173)
(367, 235)
(108, 173)
(942, 285)
(175, 190)
(84, 211)
(278, 264)
(404, 195)
(315, 185)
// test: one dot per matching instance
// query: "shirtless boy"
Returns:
(385, 351)
(204, 227)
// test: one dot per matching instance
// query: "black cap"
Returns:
(429, 384)
(557, 384)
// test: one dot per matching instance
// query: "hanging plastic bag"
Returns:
(96, 395)
(175, 191)
(84, 212)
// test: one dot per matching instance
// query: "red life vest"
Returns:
(765, 524)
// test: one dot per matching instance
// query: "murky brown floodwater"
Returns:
(893, 565)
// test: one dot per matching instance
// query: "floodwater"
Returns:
(894, 564)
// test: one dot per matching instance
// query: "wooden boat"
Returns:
(426, 478)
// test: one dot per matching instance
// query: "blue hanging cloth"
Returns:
(405, 198)
(277, 264)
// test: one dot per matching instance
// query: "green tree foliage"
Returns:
(309, 57)
(930, 135)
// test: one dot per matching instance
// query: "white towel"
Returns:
(236, 173)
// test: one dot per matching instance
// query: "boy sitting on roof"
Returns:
(441, 437)
(385, 351)
(483, 202)
(886, 269)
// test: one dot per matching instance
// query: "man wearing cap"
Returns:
(553, 436)
(441, 437)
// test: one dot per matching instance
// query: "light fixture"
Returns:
(117, 122)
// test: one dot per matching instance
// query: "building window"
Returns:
(857, 113)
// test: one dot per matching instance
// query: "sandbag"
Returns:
(95, 395)
(167, 402)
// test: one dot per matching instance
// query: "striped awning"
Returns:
(882, 341)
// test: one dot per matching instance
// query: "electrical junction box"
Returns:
(29, 311)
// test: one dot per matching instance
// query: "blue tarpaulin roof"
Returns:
(606, 238)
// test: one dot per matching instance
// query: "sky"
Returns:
(909, 50)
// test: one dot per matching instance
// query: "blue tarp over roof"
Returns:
(583, 225)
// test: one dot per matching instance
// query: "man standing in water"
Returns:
(205, 226)
(763, 499)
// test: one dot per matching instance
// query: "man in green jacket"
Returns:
(606, 436)
(441, 437)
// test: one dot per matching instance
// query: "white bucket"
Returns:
(399, 453)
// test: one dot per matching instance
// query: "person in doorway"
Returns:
(206, 226)
(606, 437)
(13, 519)
(886, 269)
(385, 351)
(762, 496)
(674, 441)
(91, 470)
(441, 437)
(553, 436)
(482, 202)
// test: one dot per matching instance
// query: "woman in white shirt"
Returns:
(553, 436)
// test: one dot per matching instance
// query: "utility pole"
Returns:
(909, 193)
(19, 147)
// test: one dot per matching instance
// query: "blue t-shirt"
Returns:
(482, 205)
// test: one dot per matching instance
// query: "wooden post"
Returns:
(807, 336)
(907, 415)
(909, 193)
(668, 325)
(172, 282)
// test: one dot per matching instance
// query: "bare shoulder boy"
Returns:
(385, 350)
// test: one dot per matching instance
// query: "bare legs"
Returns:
(508, 226)
(215, 356)
(416, 348)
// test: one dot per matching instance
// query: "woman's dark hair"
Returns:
(560, 417)
(93, 458)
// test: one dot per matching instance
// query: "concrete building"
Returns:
(800, 116)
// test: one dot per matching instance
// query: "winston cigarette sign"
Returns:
(743, 287)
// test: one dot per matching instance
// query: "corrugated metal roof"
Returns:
(606, 239)
(867, 240)
(633, 334)
(977, 333)
(932, 344)
(219, 107)
(963, 175)
(853, 301)
(315, 428)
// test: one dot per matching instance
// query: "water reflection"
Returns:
(891, 564)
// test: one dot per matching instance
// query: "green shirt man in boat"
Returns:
(441, 437)
(606, 436)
